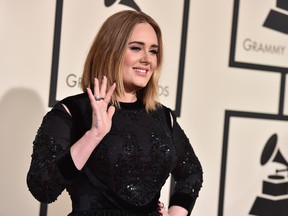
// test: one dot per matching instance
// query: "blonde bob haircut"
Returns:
(106, 56)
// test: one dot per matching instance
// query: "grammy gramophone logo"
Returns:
(276, 19)
(274, 198)
(129, 3)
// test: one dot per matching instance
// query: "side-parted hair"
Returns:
(106, 56)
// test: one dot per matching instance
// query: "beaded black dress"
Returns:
(126, 171)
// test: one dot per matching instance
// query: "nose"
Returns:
(145, 59)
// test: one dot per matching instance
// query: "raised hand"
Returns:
(102, 113)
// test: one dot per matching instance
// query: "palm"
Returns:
(101, 113)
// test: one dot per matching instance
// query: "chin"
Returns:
(143, 85)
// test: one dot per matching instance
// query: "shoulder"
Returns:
(166, 110)
(169, 114)
(79, 108)
(79, 101)
(77, 105)
(78, 98)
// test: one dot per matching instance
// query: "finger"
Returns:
(96, 88)
(110, 93)
(103, 87)
(111, 111)
(162, 211)
(92, 99)
(161, 204)
(90, 95)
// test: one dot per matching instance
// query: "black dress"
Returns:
(126, 171)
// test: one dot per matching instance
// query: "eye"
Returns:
(154, 51)
(135, 48)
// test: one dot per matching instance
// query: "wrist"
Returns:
(82, 149)
(92, 138)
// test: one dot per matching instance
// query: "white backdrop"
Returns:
(244, 87)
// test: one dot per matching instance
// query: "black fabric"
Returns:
(66, 165)
(120, 203)
(184, 200)
(131, 163)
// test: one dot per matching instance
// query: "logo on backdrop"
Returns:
(259, 42)
(129, 3)
(259, 35)
(73, 35)
(277, 20)
(274, 200)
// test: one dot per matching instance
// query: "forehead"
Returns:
(143, 32)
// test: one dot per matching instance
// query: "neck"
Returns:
(128, 98)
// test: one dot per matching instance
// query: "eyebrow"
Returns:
(141, 43)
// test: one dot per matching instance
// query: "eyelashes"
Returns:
(155, 52)
(139, 49)
(135, 48)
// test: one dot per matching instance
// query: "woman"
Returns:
(113, 146)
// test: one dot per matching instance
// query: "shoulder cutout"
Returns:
(66, 108)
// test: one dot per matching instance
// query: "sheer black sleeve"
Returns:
(187, 173)
(52, 167)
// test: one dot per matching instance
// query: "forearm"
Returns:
(44, 180)
(83, 148)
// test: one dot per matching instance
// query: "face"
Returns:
(140, 58)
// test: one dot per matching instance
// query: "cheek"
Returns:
(129, 59)
(154, 64)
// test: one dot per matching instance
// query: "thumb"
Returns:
(111, 111)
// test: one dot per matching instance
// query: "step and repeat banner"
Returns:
(255, 145)
(224, 76)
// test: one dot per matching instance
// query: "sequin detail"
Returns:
(142, 152)
(133, 160)
(190, 171)
(44, 179)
